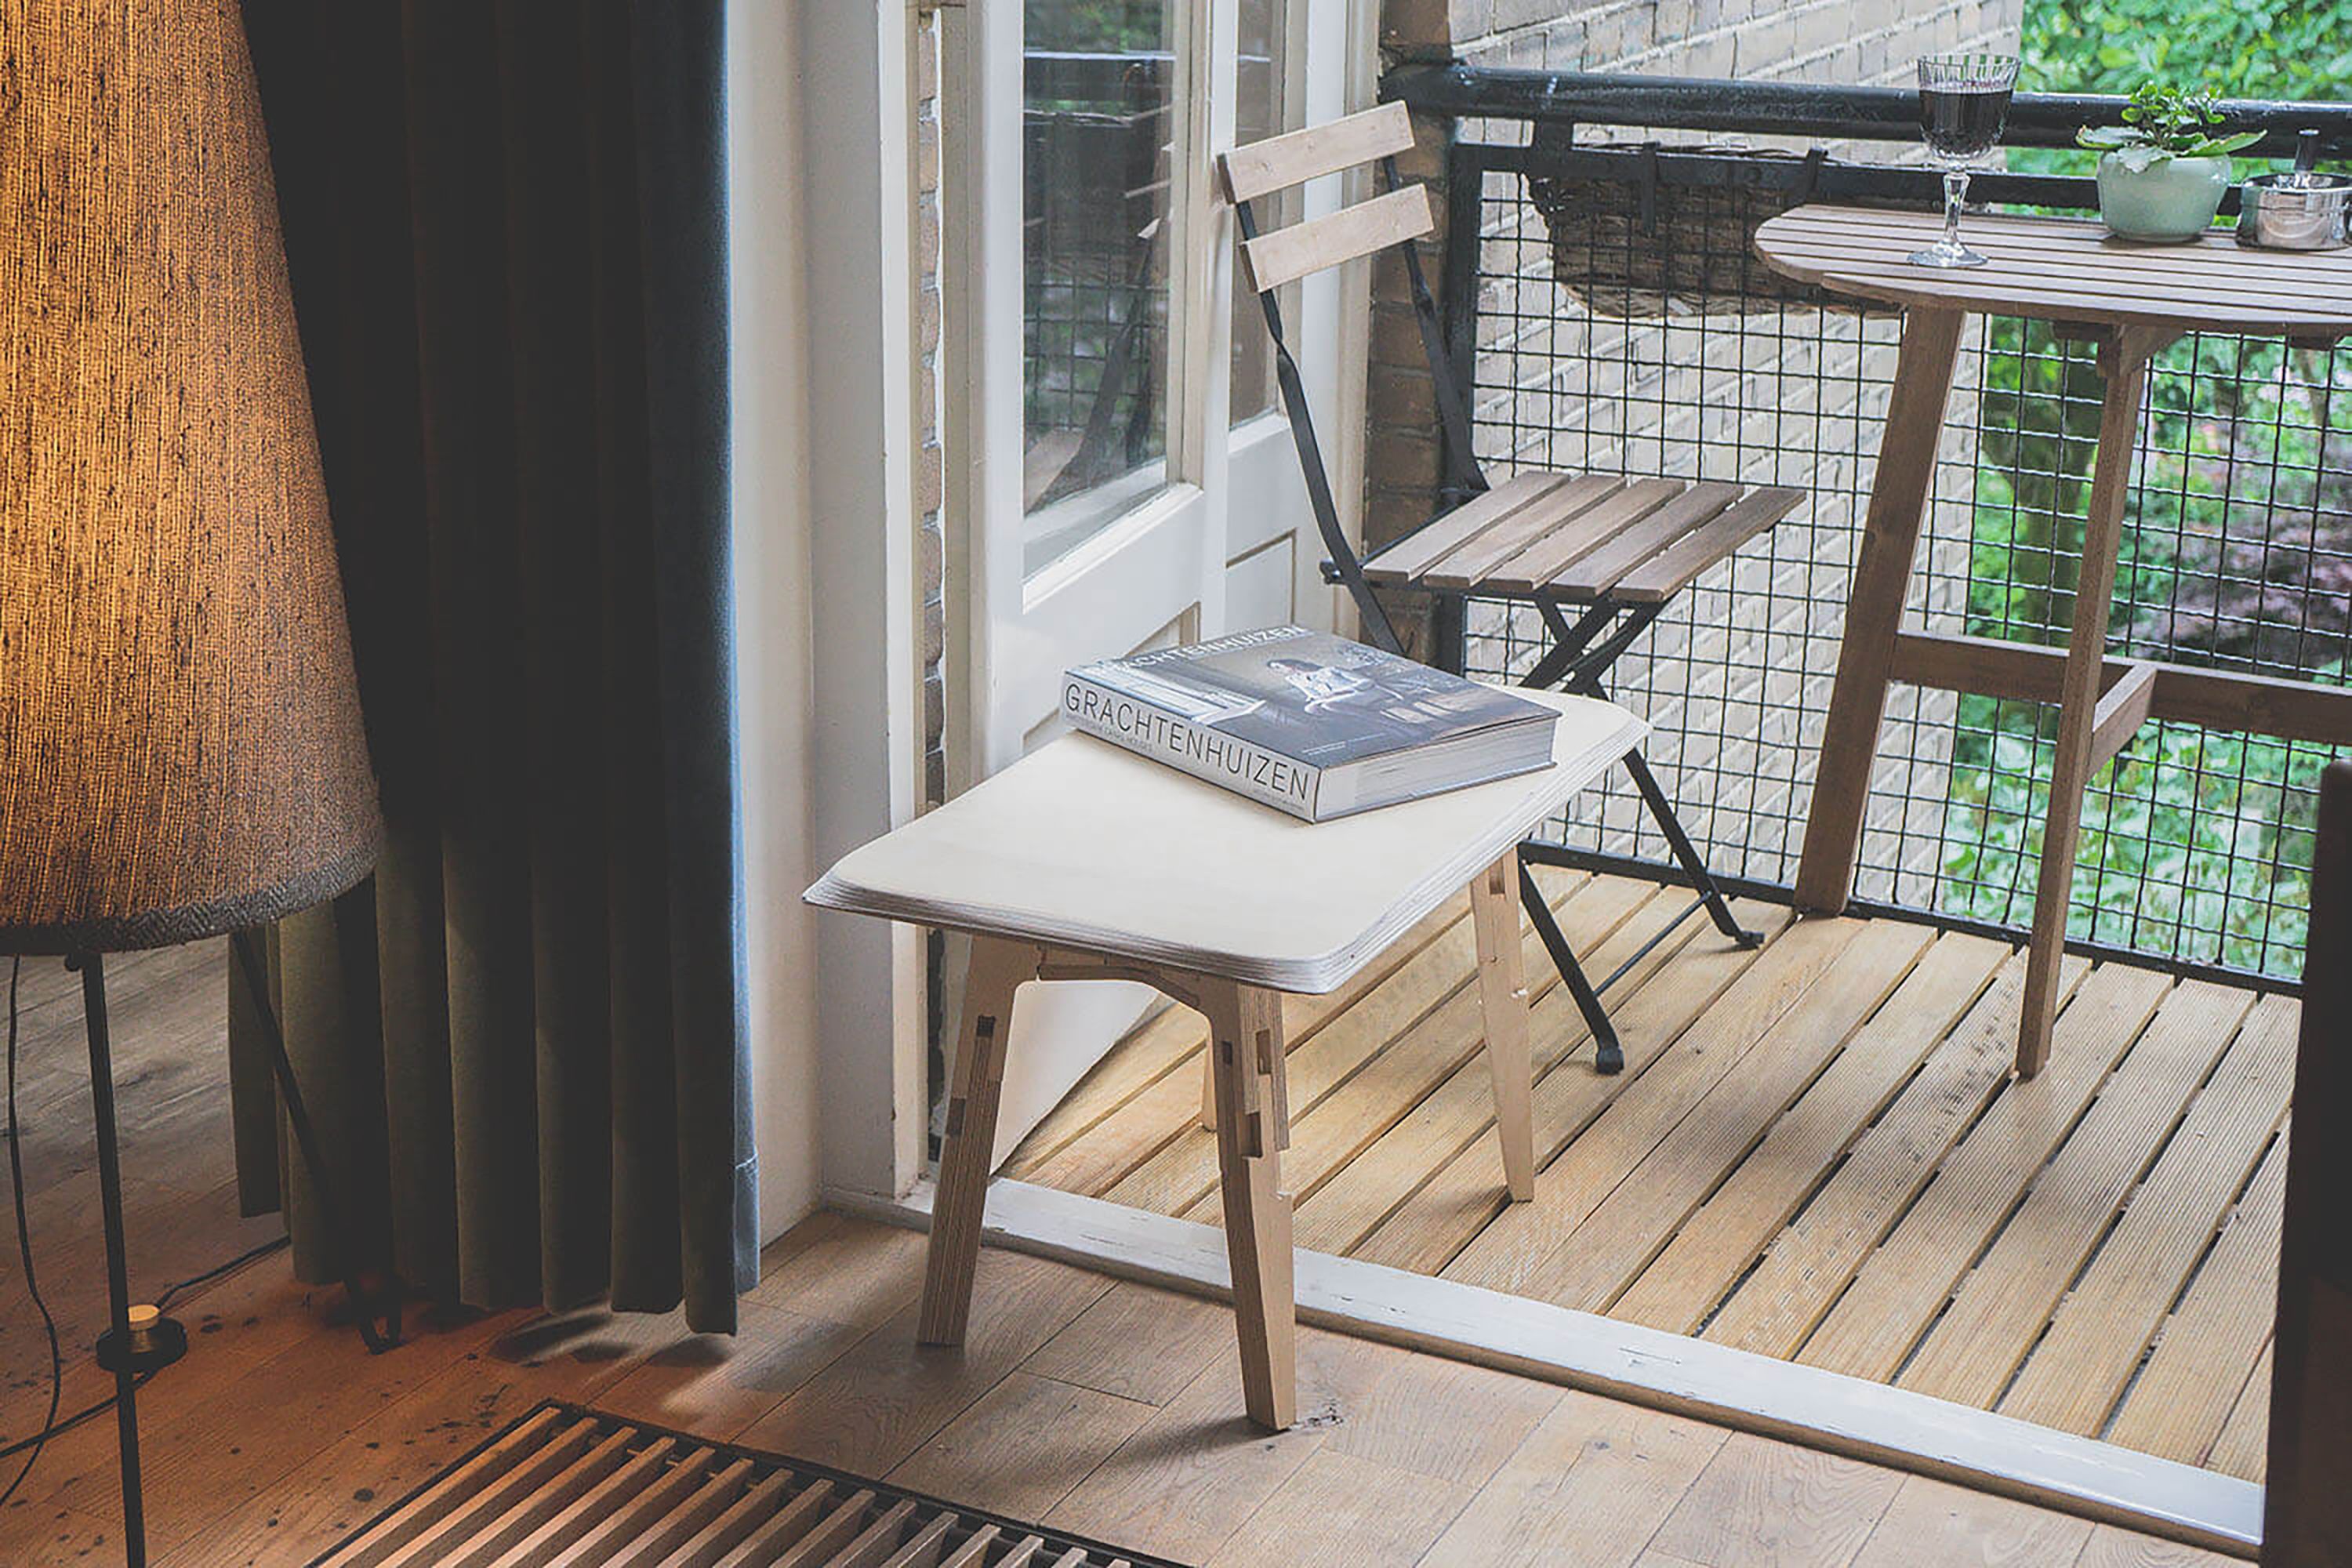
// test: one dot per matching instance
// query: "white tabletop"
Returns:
(1083, 844)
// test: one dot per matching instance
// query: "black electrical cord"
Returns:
(31, 1445)
(379, 1336)
(57, 1428)
(276, 1244)
(24, 1251)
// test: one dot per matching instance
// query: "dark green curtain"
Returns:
(524, 1041)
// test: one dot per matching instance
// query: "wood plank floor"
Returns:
(1105, 1407)
(1816, 1152)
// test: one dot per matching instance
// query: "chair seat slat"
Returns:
(1597, 534)
(1542, 517)
(1404, 562)
(1672, 570)
(1624, 504)
(1661, 523)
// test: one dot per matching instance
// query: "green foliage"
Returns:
(1094, 27)
(2167, 122)
(2239, 48)
(2194, 843)
(2199, 845)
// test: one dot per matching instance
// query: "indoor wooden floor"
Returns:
(1103, 1408)
(1108, 1408)
(1815, 1152)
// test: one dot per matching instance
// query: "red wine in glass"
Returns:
(1963, 104)
(1962, 124)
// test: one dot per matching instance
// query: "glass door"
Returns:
(1131, 480)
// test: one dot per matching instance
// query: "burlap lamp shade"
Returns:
(179, 727)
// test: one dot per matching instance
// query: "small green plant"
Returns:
(2164, 122)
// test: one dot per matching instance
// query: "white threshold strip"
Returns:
(1729, 1387)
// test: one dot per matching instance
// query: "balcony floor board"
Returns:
(1816, 1151)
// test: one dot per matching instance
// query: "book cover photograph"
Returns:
(1277, 712)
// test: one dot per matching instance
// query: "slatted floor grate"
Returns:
(566, 1486)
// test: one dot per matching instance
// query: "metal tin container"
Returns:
(2299, 211)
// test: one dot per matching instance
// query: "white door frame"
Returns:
(856, 104)
(1160, 564)
(852, 99)
(1009, 674)
(1160, 571)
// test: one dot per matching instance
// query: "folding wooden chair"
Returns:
(1610, 551)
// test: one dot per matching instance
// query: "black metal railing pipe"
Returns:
(1814, 110)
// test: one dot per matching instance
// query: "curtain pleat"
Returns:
(548, 170)
(526, 1039)
(681, 154)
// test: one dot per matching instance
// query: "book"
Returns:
(1308, 722)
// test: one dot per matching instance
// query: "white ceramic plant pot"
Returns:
(2165, 199)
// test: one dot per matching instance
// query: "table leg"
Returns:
(1252, 1128)
(1502, 1003)
(1881, 575)
(2126, 364)
(976, 1082)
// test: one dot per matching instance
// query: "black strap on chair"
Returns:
(1462, 475)
(1378, 628)
(1579, 655)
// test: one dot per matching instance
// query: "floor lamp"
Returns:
(181, 750)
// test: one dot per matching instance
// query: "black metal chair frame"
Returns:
(1581, 654)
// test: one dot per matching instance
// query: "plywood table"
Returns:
(1085, 862)
(2134, 299)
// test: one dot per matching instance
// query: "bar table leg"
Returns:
(1881, 575)
(2124, 360)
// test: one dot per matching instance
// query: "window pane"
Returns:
(1097, 122)
(1257, 114)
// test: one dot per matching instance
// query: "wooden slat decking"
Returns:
(1104, 1407)
(1816, 1151)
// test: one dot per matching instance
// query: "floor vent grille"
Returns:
(566, 1486)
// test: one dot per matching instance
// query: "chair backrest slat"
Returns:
(1281, 162)
(1391, 221)
(1292, 253)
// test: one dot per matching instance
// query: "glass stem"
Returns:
(1956, 191)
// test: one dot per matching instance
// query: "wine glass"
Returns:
(1963, 103)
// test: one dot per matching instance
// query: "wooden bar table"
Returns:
(2133, 299)
(1085, 862)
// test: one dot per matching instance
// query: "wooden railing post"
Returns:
(2308, 1508)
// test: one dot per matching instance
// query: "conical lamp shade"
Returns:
(179, 728)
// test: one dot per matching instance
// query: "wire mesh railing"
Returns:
(1607, 308)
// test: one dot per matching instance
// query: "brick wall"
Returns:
(1813, 41)
(1736, 678)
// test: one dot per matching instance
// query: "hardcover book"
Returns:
(1310, 723)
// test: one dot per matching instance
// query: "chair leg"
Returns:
(1502, 1003)
(975, 1084)
(1608, 1055)
(1693, 865)
(1252, 1128)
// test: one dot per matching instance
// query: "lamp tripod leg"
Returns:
(378, 1318)
(118, 1273)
